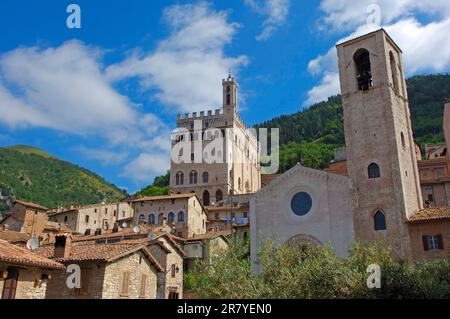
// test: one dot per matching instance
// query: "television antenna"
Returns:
(137, 229)
(33, 244)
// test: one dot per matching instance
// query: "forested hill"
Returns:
(310, 136)
(31, 174)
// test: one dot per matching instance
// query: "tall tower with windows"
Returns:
(230, 98)
(380, 147)
(236, 172)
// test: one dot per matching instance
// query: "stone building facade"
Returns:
(184, 213)
(27, 218)
(215, 153)
(23, 274)
(380, 147)
(166, 251)
(108, 271)
(170, 256)
(303, 206)
(91, 218)
(203, 248)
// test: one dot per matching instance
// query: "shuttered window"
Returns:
(85, 279)
(125, 283)
(432, 242)
(143, 289)
(10, 284)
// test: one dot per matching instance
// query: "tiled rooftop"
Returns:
(98, 252)
(428, 214)
(13, 237)
(31, 205)
(12, 254)
(166, 197)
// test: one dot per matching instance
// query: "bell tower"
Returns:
(380, 147)
(230, 92)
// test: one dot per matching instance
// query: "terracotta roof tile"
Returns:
(211, 235)
(31, 205)
(165, 197)
(12, 254)
(428, 214)
(98, 252)
(13, 237)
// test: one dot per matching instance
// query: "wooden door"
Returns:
(10, 285)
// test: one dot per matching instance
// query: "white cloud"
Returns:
(425, 46)
(65, 89)
(276, 13)
(347, 15)
(328, 86)
(62, 88)
(68, 89)
(105, 156)
(146, 166)
(186, 68)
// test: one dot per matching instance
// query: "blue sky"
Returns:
(106, 96)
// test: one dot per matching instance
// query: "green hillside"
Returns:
(159, 187)
(31, 174)
(25, 149)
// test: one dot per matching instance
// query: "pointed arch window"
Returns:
(374, 171)
(171, 217)
(205, 177)
(379, 220)
(181, 217)
(193, 177)
(151, 219)
(394, 72)
(363, 69)
(160, 219)
(179, 178)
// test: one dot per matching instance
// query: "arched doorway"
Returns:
(303, 240)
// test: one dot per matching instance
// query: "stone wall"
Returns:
(194, 214)
(330, 219)
(137, 265)
(57, 286)
(239, 171)
(105, 280)
(26, 288)
(167, 282)
(378, 130)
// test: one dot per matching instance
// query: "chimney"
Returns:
(63, 246)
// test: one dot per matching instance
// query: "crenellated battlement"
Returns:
(202, 115)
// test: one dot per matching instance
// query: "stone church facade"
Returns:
(215, 154)
(380, 198)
